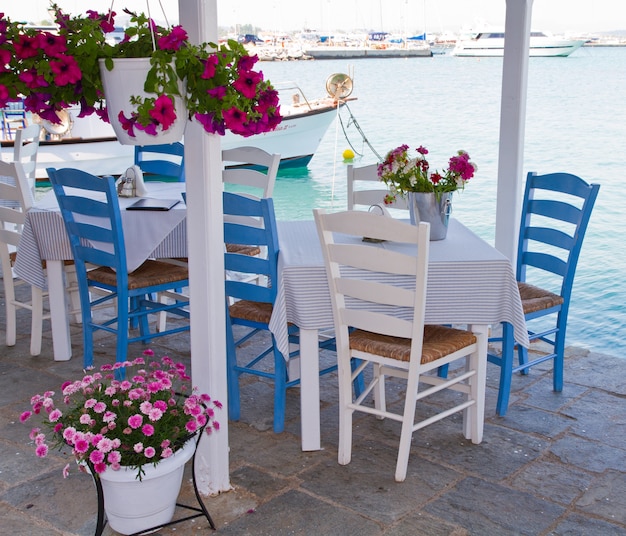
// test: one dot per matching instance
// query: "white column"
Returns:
(203, 163)
(512, 125)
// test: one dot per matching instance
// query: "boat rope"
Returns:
(332, 190)
(352, 121)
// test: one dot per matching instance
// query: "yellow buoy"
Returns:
(348, 154)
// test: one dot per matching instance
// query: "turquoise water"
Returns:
(576, 122)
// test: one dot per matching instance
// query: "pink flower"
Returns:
(167, 452)
(246, 63)
(96, 457)
(138, 447)
(85, 418)
(26, 47)
(235, 120)
(210, 65)
(41, 450)
(155, 414)
(147, 430)
(135, 421)
(66, 471)
(247, 83)
(52, 45)
(99, 467)
(33, 79)
(25, 416)
(81, 446)
(149, 452)
(66, 70)
(174, 40)
(114, 457)
(163, 111)
(191, 426)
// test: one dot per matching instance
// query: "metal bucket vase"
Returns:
(433, 208)
(127, 78)
(134, 505)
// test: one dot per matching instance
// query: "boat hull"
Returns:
(337, 53)
(540, 47)
(94, 148)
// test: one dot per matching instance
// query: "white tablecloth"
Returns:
(157, 234)
(469, 282)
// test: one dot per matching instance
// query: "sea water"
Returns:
(576, 122)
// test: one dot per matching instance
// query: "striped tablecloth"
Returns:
(148, 234)
(469, 282)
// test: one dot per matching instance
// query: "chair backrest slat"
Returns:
(165, 160)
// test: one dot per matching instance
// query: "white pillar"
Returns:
(512, 125)
(203, 170)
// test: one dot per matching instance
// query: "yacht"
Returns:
(491, 43)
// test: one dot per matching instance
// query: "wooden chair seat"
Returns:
(537, 299)
(439, 341)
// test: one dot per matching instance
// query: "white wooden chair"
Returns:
(251, 168)
(14, 192)
(366, 189)
(25, 152)
(379, 321)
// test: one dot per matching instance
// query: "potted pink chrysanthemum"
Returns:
(133, 434)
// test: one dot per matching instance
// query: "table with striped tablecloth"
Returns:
(469, 282)
(148, 234)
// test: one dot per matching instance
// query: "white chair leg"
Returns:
(344, 454)
(408, 419)
(380, 401)
(11, 329)
(36, 313)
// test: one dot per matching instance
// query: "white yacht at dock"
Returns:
(489, 43)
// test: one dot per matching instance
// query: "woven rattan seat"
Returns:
(243, 250)
(439, 341)
(149, 273)
(252, 311)
(537, 299)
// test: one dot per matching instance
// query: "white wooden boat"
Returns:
(90, 144)
(491, 44)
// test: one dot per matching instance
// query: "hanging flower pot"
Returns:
(134, 505)
(126, 80)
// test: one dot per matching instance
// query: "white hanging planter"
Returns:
(134, 505)
(127, 78)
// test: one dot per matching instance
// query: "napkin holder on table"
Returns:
(130, 183)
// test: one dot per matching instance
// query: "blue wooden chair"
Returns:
(251, 222)
(555, 214)
(161, 162)
(92, 218)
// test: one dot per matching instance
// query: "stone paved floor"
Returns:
(555, 465)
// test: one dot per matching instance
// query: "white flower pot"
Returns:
(127, 78)
(433, 208)
(134, 505)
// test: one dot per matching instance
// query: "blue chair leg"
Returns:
(280, 390)
(506, 368)
(234, 408)
(359, 382)
(559, 350)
